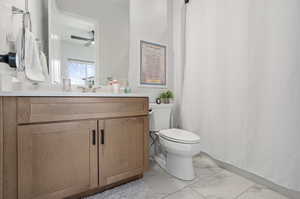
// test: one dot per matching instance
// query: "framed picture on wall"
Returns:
(153, 66)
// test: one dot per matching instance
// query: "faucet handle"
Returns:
(94, 89)
(83, 89)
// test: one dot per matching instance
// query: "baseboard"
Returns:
(257, 179)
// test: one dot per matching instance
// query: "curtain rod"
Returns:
(26, 5)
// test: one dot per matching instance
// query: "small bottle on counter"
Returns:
(67, 84)
(127, 88)
(116, 87)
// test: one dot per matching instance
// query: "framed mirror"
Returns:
(88, 40)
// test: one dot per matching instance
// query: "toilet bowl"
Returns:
(180, 147)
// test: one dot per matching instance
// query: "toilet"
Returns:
(180, 146)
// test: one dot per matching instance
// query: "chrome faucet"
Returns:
(90, 85)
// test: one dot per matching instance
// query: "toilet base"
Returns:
(180, 167)
(177, 166)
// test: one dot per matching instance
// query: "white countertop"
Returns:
(65, 94)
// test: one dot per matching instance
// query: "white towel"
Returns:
(18, 46)
(33, 65)
(44, 65)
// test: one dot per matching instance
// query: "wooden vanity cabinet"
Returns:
(55, 148)
(57, 160)
(121, 149)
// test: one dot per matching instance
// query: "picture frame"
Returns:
(153, 65)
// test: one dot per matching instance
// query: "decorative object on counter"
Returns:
(163, 98)
(109, 81)
(166, 96)
(67, 84)
(158, 101)
(116, 87)
(127, 88)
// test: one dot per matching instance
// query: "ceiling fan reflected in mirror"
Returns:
(89, 41)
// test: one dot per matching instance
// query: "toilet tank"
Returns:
(160, 116)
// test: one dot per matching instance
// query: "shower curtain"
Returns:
(241, 89)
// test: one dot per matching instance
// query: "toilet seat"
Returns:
(180, 136)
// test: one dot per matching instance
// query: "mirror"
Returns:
(88, 40)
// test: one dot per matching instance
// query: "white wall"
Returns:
(150, 21)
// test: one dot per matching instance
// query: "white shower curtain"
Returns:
(241, 90)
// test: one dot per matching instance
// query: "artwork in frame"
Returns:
(153, 66)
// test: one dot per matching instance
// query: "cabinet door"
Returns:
(121, 149)
(57, 160)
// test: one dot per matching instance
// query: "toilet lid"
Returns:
(181, 136)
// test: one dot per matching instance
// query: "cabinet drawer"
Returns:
(49, 109)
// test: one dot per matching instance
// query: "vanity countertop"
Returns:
(65, 94)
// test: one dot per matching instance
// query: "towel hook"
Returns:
(26, 23)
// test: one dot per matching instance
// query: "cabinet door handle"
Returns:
(94, 137)
(102, 136)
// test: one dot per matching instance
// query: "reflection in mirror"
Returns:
(88, 40)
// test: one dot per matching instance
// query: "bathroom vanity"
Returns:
(70, 146)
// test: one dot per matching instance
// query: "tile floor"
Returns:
(212, 182)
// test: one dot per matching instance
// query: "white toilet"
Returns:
(180, 146)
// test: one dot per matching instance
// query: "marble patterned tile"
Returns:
(162, 184)
(205, 167)
(211, 182)
(202, 161)
(224, 185)
(186, 193)
(260, 192)
(155, 170)
(135, 190)
(201, 173)
(156, 184)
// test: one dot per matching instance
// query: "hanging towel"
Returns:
(33, 64)
(44, 65)
(19, 50)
